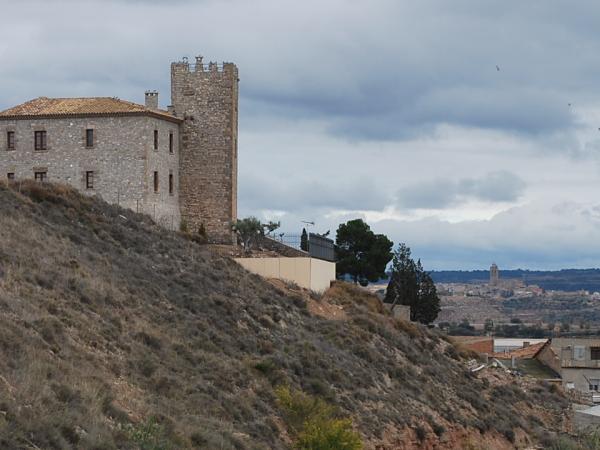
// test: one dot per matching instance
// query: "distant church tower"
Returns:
(494, 275)
(206, 97)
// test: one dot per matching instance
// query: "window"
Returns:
(594, 384)
(579, 353)
(10, 176)
(89, 179)
(155, 139)
(89, 137)
(595, 353)
(10, 140)
(171, 142)
(155, 181)
(41, 176)
(171, 183)
(40, 140)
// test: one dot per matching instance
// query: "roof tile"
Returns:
(90, 106)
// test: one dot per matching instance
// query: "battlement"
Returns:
(207, 95)
(184, 66)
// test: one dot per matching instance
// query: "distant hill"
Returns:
(563, 280)
(117, 334)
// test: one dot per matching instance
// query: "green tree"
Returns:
(410, 285)
(314, 424)
(488, 325)
(403, 287)
(270, 226)
(304, 240)
(428, 302)
(361, 253)
(249, 231)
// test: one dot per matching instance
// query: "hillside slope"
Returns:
(112, 330)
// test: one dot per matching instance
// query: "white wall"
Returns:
(309, 273)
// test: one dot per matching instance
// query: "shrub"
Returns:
(420, 432)
(148, 435)
(438, 429)
(313, 424)
(183, 226)
(329, 435)
(200, 237)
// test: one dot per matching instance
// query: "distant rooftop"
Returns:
(44, 107)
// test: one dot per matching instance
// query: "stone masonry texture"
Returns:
(206, 98)
(202, 165)
(122, 159)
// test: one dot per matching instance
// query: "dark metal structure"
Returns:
(319, 246)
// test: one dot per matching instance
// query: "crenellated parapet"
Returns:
(206, 97)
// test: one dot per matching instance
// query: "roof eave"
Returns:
(84, 115)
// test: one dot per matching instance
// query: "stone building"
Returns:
(177, 166)
(494, 275)
(576, 360)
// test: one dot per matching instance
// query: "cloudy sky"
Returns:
(468, 129)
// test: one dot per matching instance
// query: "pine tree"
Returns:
(404, 285)
(361, 253)
(411, 285)
(428, 305)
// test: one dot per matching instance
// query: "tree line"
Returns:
(364, 256)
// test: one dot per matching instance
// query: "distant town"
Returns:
(512, 308)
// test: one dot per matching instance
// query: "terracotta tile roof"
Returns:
(81, 107)
(522, 353)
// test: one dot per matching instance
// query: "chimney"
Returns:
(152, 99)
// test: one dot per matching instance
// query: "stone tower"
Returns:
(206, 98)
(494, 275)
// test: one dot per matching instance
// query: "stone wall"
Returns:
(206, 97)
(399, 311)
(123, 159)
(162, 206)
(548, 356)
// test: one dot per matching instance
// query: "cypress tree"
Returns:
(410, 285)
(304, 240)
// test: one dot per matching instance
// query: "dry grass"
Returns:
(111, 327)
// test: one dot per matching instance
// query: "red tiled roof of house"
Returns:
(44, 107)
(521, 353)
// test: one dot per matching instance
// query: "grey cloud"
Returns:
(501, 186)
(311, 195)
(390, 71)
(338, 98)
(546, 242)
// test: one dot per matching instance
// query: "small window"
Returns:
(155, 139)
(89, 179)
(155, 181)
(171, 183)
(171, 142)
(595, 353)
(10, 176)
(41, 176)
(579, 353)
(10, 140)
(594, 384)
(40, 140)
(89, 137)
